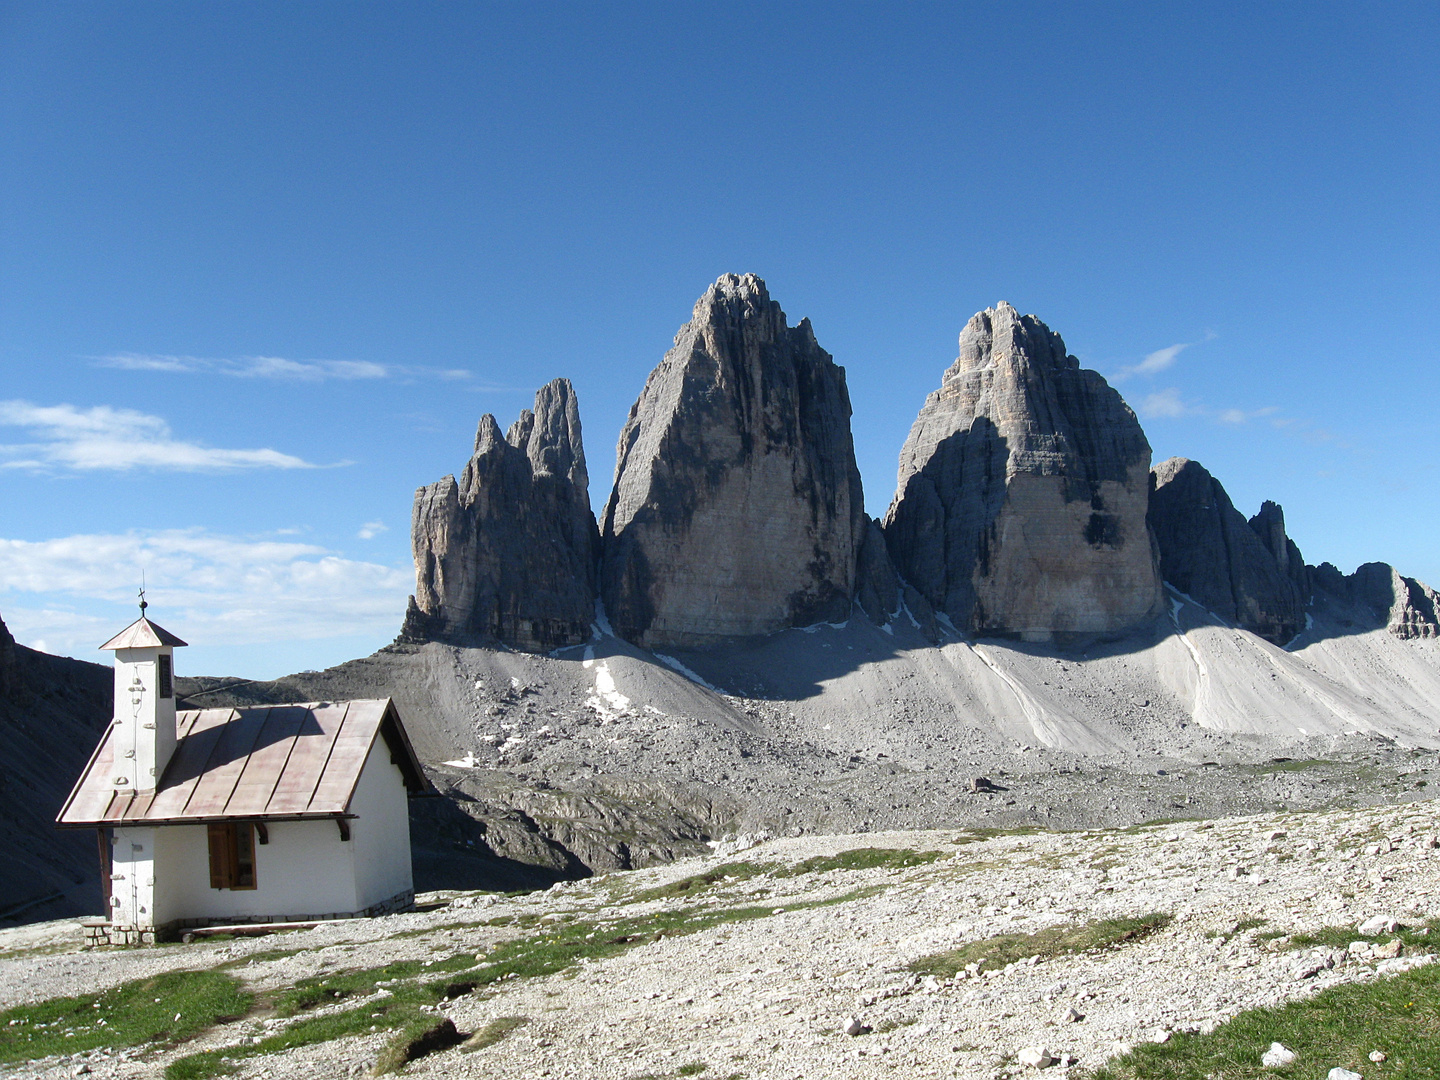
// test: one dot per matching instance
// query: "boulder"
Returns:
(1022, 491)
(737, 508)
(508, 552)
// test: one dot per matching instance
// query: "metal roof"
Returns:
(265, 761)
(141, 634)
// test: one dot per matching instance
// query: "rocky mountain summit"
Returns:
(508, 553)
(737, 508)
(1025, 508)
(1022, 491)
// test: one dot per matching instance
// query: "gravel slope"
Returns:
(767, 997)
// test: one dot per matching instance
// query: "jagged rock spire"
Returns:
(737, 507)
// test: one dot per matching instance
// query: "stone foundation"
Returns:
(103, 932)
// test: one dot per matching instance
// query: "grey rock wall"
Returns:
(737, 508)
(1249, 573)
(508, 552)
(1384, 597)
(1022, 491)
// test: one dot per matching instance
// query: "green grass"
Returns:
(418, 1036)
(256, 958)
(1054, 941)
(867, 858)
(556, 948)
(166, 1008)
(1399, 1015)
(698, 883)
(1337, 937)
(494, 1031)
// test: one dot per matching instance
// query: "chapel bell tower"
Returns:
(144, 721)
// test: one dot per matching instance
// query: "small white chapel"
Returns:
(268, 813)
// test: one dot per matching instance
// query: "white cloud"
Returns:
(275, 367)
(102, 437)
(1163, 404)
(208, 588)
(372, 529)
(1158, 361)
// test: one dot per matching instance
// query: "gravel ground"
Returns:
(768, 997)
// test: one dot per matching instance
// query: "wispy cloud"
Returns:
(1164, 403)
(116, 440)
(277, 367)
(372, 529)
(1159, 360)
(217, 589)
(1236, 417)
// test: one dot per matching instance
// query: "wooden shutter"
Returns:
(222, 839)
(167, 683)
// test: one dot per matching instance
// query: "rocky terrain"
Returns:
(760, 959)
(742, 650)
(1022, 491)
(508, 553)
(1248, 572)
(737, 508)
(52, 710)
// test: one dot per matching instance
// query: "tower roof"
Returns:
(141, 634)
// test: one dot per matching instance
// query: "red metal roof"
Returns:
(140, 634)
(264, 761)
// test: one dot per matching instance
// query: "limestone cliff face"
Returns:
(1384, 597)
(508, 552)
(1250, 573)
(737, 507)
(1022, 491)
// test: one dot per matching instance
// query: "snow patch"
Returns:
(670, 661)
(607, 700)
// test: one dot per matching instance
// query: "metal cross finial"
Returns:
(143, 604)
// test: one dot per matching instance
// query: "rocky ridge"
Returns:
(737, 508)
(52, 710)
(1248, 572)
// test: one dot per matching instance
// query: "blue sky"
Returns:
(263, 266)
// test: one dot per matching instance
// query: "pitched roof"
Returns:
(266, 761)
(140, 634)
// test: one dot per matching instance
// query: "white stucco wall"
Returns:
(305, 870)
(380, 832)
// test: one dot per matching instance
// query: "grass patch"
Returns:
(256, 958)
(698, 883)
(417, 1037)
(1337, 937)
(1055, 941)
(867, 858)
(494, 1031)
(1399, 1015)
(554, 949)
(311, 993)
(166, 1008)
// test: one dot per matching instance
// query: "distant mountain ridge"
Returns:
(1025, 507)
